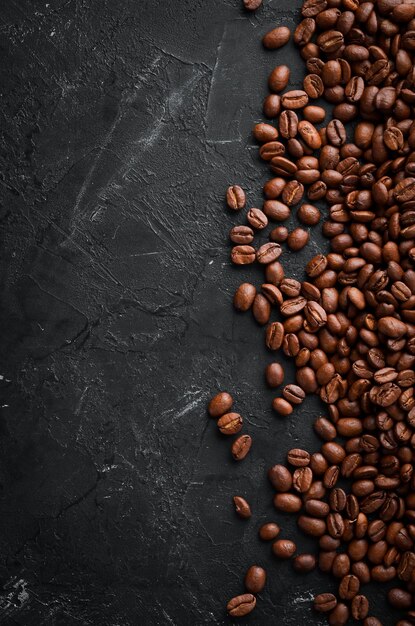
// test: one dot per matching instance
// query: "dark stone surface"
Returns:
(123, 124)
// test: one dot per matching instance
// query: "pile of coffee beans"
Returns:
(349, 325)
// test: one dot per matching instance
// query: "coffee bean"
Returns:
(360, 607)
(279, 78)
(261, 309)
(325, 602)
(235, 197)
(349, 587)
(220, 404)
(252, 5)
(241, 605)
(304, 563)
(284, 548)
(276, 210)
(313, 86)
(269, 531)
(265, 133)
(296, 99)
(268, 253)
(293, 393)
(280, 478)
(339, 616)
(276, 38)
(272, 106)
(241, 234)
(241, 447)
(230, 423)
(242, 507)
(274, 335)
(287, 502)
(257, 219)
(399, 598)
(243, 255)
(282, 406)
(255, 579)
(244, 297)
(302, 479)
(298, 457)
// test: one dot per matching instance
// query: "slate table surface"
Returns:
(123, 123)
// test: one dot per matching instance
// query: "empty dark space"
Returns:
(123, 123)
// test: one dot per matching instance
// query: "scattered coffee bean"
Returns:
(255, 579)
(235, 197)
(241, 447)
(230, 423)
(220, 404)
(269, 531)
(241, 605)
(242, 508)
(284, 548)
(276, 38)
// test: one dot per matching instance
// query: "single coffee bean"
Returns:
(298, 457)
(308, 215)
(265, 133)
(296, 99)
(274, 336)
(241, 447)
(280, 478)
(284, 548)
(244, 297)
(282, 406)
(302, 479)
(279, 78)
(220, 404)
(261, 309)
(242, 507)
(241, 234)
(360, 607)
(230, 423)
(243, 255)
(257, 219)
(274, 375)
(349, 587)
(235, 197)
(287, 502)
(293, 393)
(325, 602)
(304, 563)
(276, 38)
(241, 605)
(269, 531)
(268, 253)
(297, 239)
(252, 5)
(255, 579)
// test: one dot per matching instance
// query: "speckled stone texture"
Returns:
(123, 123)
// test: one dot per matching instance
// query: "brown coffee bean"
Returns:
(268, 253)
(244, 297)
(241, 447)
(276, 210)
(235, 197)
(220, 404)
(279, 78)
(272, 105)
(230, 423)
(339, 615)
(349, 587)
(269, 531)
(271, 149)
(243, 255)
(274, 375)
(282, 406)
(257, 219)
(261, 309)
(304, 563)
(360, 607)
(399, 598)
(241, 234)
(292, 193)
(284, 548)
(276, 38)
(308, 215)
(298, 457)
(242, 507)
(252, 5)
(274, 336)
(241, 605)
(280, 478)
(313, 526)
(302, 479)
(287, 502)
(325, 602)
(296, 99)
(255, 579)
(265, 133)
(297, 239)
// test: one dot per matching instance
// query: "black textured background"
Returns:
(123, 123)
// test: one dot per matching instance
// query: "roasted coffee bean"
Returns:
(293, 393)
(269, 531)
(282, 406)
(298, 457)
(308, 215)
(255, 579)
(284, 548)
(296, 99)
(242, 507)
(235, 197)
(241, 605)
(304, 563)
(360, 607)
(220, 404)
(280, 478)
(349, 587)
(241, 234)
(244, 297)
(268, 253)
(274, 335)
(257, 219)
(276, 38)
(261, 309)
(265, 133)
(252, 5)
(243, 255)
(230, 423)
(241, 447)
(297, 239)
(302, 479)
(279, 78)
(325, 602)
